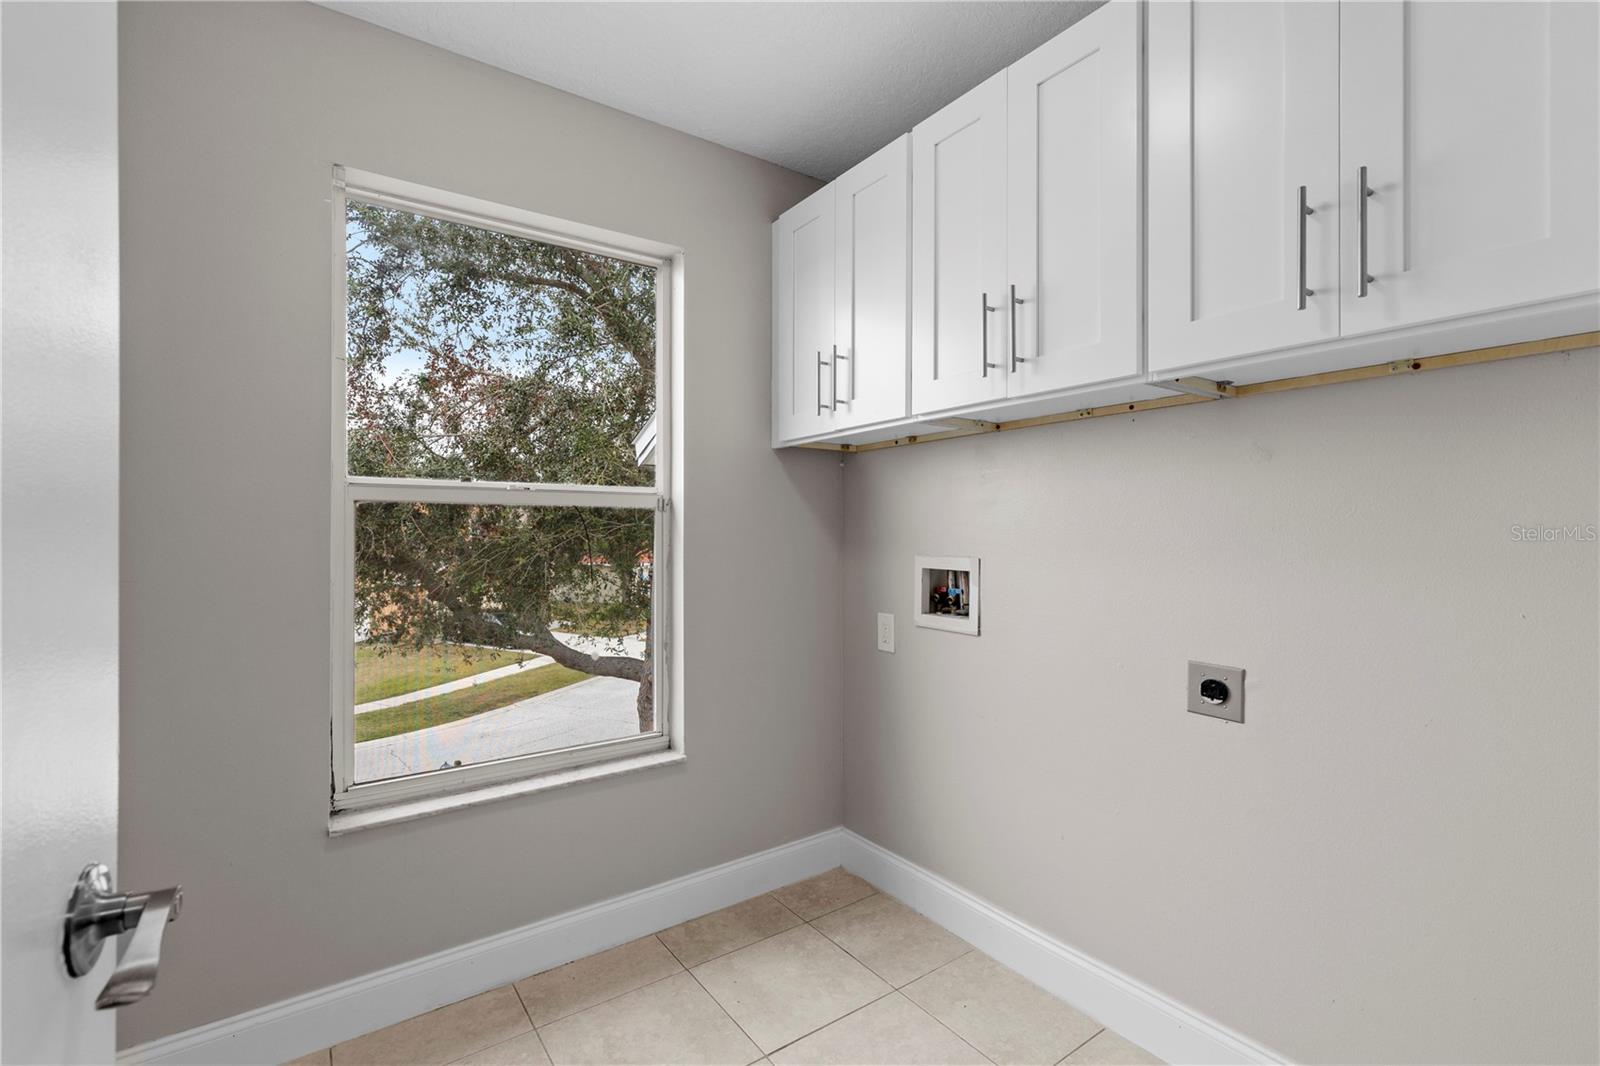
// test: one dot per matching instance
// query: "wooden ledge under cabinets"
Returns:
(968, 427)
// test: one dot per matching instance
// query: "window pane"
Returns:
(485, 632)
(473, 354)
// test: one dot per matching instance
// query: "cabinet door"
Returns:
(872, 286)
(958, 229)
(1244, 109)
(1073, 152)
(803, 342)
(1480, 134)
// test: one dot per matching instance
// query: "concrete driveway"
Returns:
(601, 708)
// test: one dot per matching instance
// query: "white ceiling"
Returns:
(813, 87)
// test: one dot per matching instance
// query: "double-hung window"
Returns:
(500, 473)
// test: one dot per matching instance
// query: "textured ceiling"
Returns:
(813, 87)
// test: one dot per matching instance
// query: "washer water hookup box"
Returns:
(947, 593)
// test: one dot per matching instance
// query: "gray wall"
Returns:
(231, 119)
(1394, 859)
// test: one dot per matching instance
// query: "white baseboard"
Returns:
(293, 1027)
(1164, 1027)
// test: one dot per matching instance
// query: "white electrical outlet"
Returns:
(886, 632)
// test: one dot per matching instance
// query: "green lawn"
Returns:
(464, 703)
(384, 670)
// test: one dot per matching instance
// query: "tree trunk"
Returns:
(480, 629)
(647, 682)
(545, 643)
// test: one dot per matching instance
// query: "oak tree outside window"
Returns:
(499, 537)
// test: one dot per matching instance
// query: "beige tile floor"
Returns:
(828, 970)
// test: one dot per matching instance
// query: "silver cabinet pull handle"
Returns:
(834, 390)
(95, 914)
(1301, 211)
(1363, 192)
(1015, 358)
(984, 319)
(821, 407)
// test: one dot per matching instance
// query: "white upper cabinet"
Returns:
(958, 237)
(872, 216)
(1073, 207)
(1243, 128)
(803, 264)
(1235, 189)
(1025, 225)
(1477, 128)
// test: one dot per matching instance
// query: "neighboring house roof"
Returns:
(645, 558)
(644, 444)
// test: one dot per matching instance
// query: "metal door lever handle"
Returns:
(95, 914)
(135, 974)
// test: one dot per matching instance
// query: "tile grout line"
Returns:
(809, 922)
(840, 1018)
(1081, 1046)
(524, 1003)
(970, 949)
(764, 1053)
(443, 1007)
(812, 922)
(862, 962)
(608, 999)
(942, 965)
(741, 947)
(490, 1047)
(799, 921)
(893, 989)
(542, 1045)
(656, 936)
(727, 1013)
(536, 1034)
(780, 903)
(940, 1020)
(840, 907)
(868, 965)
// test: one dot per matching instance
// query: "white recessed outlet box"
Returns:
(1217, 691)
(886, 632)
(947, 593)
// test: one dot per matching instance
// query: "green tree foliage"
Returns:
(477, 355)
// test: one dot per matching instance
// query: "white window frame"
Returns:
(348, 491)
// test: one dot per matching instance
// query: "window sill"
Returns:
(342, 822)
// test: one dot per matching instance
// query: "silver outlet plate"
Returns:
(1205, 697)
